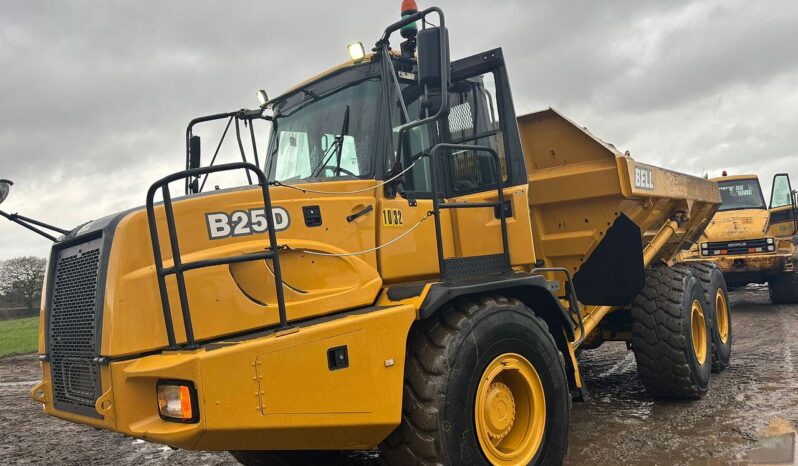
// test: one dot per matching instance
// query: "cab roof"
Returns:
(734, 178)
(341, 66)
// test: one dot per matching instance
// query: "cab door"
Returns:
(783, 211)
(482, 114)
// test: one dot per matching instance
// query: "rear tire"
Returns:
(292, 458)
(784, 288)
(717, 297)
(451, 369)
(670, 334)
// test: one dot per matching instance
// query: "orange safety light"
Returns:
(409, 7)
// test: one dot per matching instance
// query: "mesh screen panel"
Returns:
(72, 321)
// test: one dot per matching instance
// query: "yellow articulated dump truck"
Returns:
(410, 267)
(752, 241)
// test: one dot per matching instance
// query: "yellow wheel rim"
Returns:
(699, 331)
(510, 411)
(722, 315)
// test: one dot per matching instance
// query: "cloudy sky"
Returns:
(95, 95)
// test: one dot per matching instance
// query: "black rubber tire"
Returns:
(447, 355)
(783, 288)
(662, 338)
(292, 458)
(712, 280)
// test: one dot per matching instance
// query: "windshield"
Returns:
(741, 194)
(327, 130)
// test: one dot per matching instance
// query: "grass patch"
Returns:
(18, 336)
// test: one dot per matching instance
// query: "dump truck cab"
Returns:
(408, 266)
(751, 240)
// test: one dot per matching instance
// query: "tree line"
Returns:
(21, 281)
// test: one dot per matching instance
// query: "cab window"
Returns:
(474, 120)
(781, 196)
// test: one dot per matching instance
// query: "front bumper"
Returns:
(275, 392)
(765, 263)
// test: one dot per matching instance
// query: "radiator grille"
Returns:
(72, 317)
(751, 246)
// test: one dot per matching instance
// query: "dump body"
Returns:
(594, 210)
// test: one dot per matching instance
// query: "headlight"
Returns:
(704, 246)
(770, 240)
(771, 248)
(177, 401)
(704, 252)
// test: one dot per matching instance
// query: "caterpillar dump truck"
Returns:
(752, 241)
(411, 268)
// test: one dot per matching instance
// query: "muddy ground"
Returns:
(748, 416)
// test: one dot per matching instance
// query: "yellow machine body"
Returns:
(740, 239)
(264, 388)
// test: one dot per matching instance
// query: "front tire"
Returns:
(484, 384)
(670, 334)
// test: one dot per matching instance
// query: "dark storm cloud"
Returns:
(94, 96)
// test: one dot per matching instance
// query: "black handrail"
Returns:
(383, 45)
(243, 114)
(436, 204)
(179, 268)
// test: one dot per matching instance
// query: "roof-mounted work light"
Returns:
(356, 51)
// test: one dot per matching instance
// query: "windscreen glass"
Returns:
(741, 194)
(327, 130)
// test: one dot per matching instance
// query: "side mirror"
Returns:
(194, 152)
(433, 57)
(5, 188)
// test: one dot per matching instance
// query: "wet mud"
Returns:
(749, 415)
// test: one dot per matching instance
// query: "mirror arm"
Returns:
(254, 145)
(29, 224)
(384, 44)
(241, 148)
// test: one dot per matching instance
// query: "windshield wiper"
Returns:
(344, 132)
(338, 145)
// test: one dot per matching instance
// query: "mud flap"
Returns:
(613, 274)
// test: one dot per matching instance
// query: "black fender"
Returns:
(532, 290)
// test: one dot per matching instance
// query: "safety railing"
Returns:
(179, 268)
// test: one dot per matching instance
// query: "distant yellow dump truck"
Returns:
(753, 241)
(412, 268)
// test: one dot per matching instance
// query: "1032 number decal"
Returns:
(392, 218)
(244, 222)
